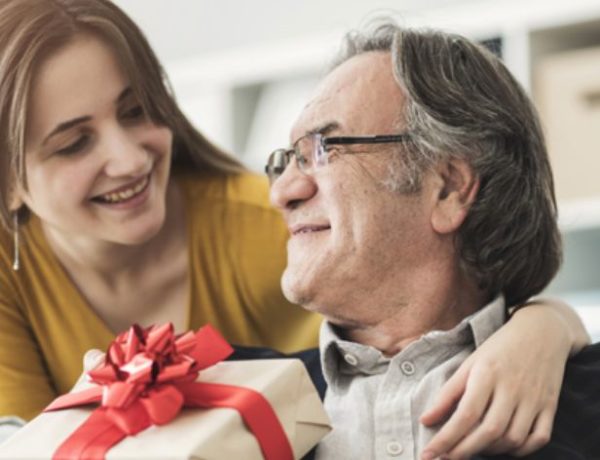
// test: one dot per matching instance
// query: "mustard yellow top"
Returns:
(237, 253)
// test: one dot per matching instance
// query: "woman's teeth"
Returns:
(117, 197)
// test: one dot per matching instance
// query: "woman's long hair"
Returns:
(32, 30)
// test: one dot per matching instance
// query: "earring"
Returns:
(16, 262)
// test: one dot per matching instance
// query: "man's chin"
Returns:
(297, 291)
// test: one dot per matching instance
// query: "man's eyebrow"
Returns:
(66, 125)
(324, 128)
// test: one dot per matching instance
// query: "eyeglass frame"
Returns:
(320, 157)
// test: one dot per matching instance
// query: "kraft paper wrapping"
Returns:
(205, 434)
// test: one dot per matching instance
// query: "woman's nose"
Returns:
(125, 154)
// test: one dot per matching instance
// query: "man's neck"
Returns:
(438, 310)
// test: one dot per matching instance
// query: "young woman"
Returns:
(115, 210)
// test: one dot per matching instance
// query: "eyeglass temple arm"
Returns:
(379, 139)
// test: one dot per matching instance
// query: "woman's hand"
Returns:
(91, 360)
(506, 392)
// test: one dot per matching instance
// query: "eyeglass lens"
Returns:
(308, 151)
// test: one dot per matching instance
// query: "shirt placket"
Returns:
(394, 438)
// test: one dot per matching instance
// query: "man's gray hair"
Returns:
(462, 102)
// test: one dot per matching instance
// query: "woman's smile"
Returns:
(125, 195)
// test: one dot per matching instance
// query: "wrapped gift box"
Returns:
(198, 433)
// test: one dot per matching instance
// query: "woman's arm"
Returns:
(577, 335)
(506, 392)
(25, 387)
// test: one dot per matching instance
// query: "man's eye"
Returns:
(302, 160)
(76, 147)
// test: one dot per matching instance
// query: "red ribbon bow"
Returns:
(147, 377)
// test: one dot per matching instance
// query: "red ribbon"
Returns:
(147, 377)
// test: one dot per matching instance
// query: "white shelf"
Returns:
(579, 214)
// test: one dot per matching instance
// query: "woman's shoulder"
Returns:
(38, 269)
(246, 189)
(237, 202)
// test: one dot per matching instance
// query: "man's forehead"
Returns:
(359, 96)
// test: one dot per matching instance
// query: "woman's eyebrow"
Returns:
(66, 125)
(124, 94)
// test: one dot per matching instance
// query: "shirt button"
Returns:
(350, 359)
(407, 368)
(394, 448)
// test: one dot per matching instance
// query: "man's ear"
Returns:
(458, 189)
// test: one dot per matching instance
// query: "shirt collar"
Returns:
(346, 357)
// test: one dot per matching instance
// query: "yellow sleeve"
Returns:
(25, 388)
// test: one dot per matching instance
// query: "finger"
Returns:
(468, 413)
(521, 426)
(92, 359)
(540, 436)
(447, 398)
(492, 427)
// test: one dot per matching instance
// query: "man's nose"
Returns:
(126, 155)
(292, 188)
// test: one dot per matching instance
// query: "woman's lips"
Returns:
(124, 193)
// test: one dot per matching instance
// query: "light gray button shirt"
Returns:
(375, 402)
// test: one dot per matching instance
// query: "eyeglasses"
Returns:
(312, 151)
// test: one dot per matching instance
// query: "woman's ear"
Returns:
(15, 193)
(458, 190)
(14, 203)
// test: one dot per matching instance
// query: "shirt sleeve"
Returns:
(25, 387)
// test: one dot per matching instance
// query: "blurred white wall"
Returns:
(226, 58)
(223, 59)
(179, 29)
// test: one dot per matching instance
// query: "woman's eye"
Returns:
(75, 147)
(133, 113)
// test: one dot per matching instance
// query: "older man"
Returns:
(420, 204)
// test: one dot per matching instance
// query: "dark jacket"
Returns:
(576, 431)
